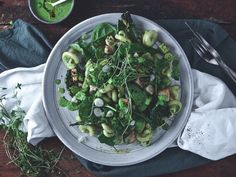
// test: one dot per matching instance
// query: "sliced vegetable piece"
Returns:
(121, 36)
(89, 129)
(107, 128)
(175, 106)
(107, 134)
(167, 71)
(149, 37)
(78, 48)
(114, 95)
(168, 56)
(70, 60)
(145, 137)
(107, 88)
(175, 92)
(164, 49)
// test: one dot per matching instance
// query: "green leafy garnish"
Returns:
(33, 161)
(101, 31)
(63, 102)
(124, 82)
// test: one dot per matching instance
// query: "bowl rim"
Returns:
(47, 22)
(183, 122)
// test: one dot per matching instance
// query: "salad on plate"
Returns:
(123, 83)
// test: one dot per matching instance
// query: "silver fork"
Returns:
(207, 52)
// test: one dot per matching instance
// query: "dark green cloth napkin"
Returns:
(23, 45)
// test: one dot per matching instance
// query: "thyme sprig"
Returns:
(33, 161)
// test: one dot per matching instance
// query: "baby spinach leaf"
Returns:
(120, 26)
(103, 139)
(175, 68)
(85, 108)
(138, 96)
(72, 106)
(63, 102)
(99, 52)
(127, 25)
(140, 125)
(73, 89)
(116, 125)
(102, 30)
(80, 96)
(140, 48)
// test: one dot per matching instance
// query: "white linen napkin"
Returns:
(210, 131)
(30, 95)
(211, 128)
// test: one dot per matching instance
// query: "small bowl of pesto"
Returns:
(51, 11)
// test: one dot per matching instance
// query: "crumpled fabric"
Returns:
(210, 131)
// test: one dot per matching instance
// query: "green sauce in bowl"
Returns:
(50, 14)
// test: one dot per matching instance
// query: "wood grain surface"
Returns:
(219, 11)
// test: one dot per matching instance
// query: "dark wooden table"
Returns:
(219, 11)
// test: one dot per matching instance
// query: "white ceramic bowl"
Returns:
(91, 149)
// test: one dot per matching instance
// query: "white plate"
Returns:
(91, 149)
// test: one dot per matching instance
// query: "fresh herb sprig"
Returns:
(33, 161)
